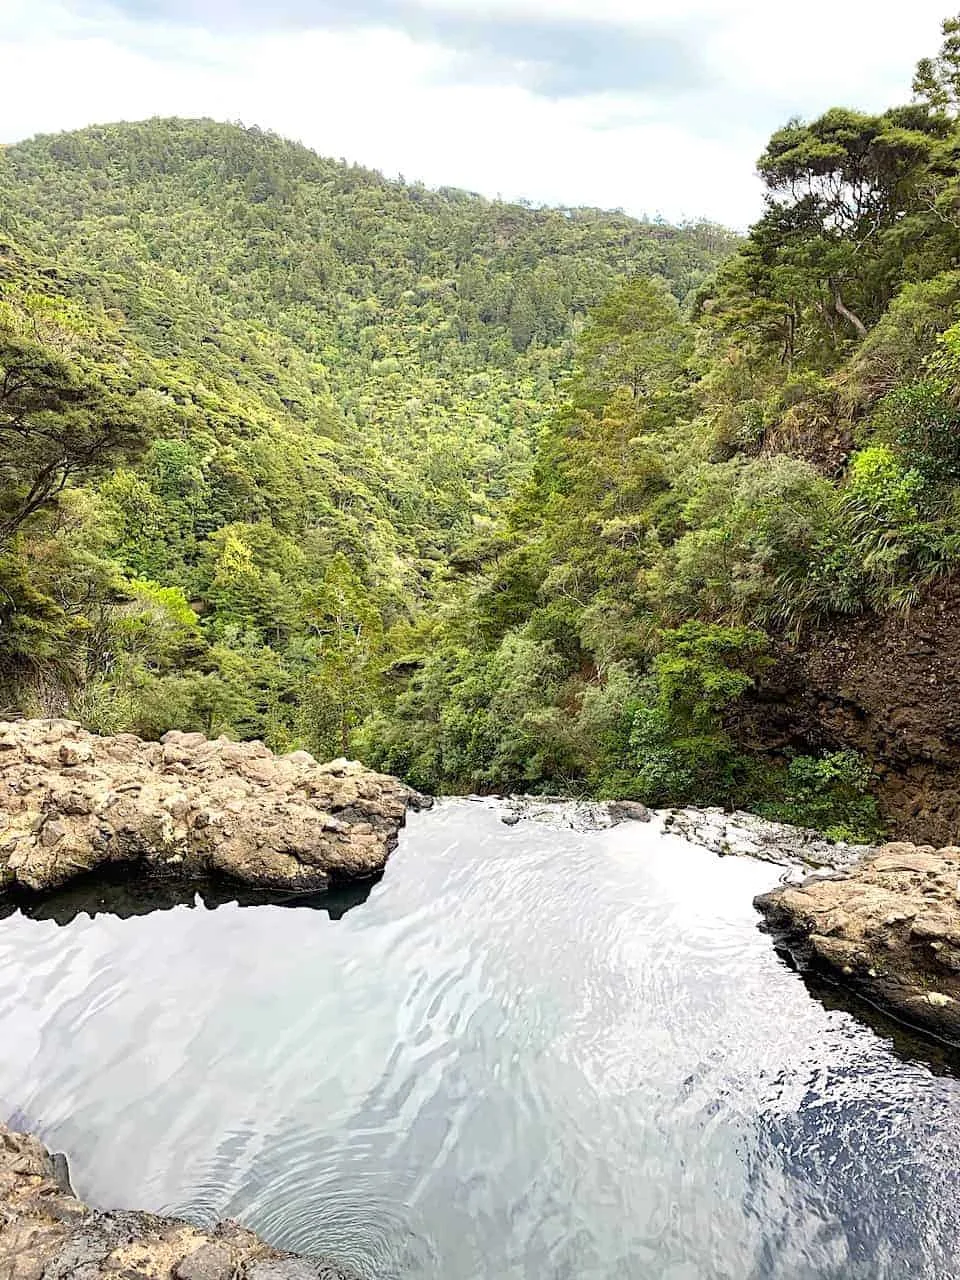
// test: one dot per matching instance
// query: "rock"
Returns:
(46, 1233)
(209, 1262)
(628, 811)
(886, 685)
(72, 802)
(888, 928)
(577, 815)
(746, 835)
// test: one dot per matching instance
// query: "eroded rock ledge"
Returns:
(188, 806)
(749, 836)
(46, 1233)
(889, 929)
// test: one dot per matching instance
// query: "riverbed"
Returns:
(529, 1052)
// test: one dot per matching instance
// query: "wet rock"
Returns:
(188, 807)
(887, 928)
(46, 1233)
(576, 815)
(746, 835)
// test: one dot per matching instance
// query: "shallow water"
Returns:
(529, 1053)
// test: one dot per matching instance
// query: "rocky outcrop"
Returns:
(745, 835)
(189, 807)
(888, 686)
(46, 1233)
(574, 815)
(889, 929)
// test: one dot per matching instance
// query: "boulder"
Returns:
(46, 1233)
(188, 807)
(888, 928)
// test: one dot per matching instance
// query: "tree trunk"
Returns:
(845, 313)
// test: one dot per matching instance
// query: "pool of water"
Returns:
(529, 1053)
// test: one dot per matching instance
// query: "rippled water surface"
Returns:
(530, 1053)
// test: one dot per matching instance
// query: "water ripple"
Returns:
(530, 1053)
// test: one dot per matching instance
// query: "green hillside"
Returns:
(493, 496)
(324, 385)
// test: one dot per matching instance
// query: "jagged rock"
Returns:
(46, 1233)
(889, 929)
(749, 836)
(577, 815)
(187, 806)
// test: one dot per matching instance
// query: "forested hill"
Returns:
(734, 577)
(494, 496)
(253, 403)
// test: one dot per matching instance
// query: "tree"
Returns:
(348, 630)
(937, 80)
(635, 341)
(838, 186)
(58, 425)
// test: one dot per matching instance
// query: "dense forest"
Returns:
(253, 403)
(723, 479)
(495, 497)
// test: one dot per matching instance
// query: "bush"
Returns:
(922, 422)
(748, 522)
(681, 748)
(831, 794)
(880, 549)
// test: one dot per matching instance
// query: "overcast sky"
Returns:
(655, 106)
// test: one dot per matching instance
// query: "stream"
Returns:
(528, 1053)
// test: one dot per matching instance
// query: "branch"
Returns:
(845, 313)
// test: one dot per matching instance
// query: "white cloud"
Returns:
(382, 99)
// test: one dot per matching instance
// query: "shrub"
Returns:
(923, 423)
(681, 748)
(831, 794)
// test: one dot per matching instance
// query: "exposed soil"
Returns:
(890, 687)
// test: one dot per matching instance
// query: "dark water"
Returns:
(530, 1053)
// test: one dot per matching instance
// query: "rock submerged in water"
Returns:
(889, 929)
(46, 1233)
(188, 806)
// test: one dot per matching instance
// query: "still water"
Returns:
(530, 1053)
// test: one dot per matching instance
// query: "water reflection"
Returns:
(124, 894)
(909, 1043)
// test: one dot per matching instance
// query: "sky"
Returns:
(658, 107)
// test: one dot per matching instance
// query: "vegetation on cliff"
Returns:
(720, 481)
(495, 497)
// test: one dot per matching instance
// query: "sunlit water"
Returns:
(530, 1053)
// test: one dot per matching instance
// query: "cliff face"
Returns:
(889, 687)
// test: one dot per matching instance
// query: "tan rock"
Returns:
(888, 928)
(46, 1233)
(71, 802)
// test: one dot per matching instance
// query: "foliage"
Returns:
(683, 752)
(719, 483)
(830, 794)
(290, 388)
